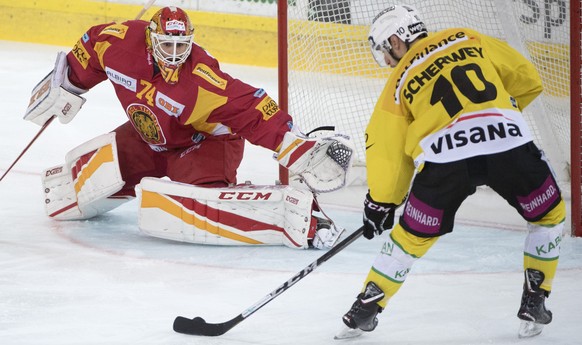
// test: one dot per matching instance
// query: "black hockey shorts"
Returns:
(521, 176)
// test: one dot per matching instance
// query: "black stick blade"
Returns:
(198, 326)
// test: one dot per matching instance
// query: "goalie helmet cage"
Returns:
(327, 75)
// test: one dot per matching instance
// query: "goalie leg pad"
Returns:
(240, 215)
(85, 185)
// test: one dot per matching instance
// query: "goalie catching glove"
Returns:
(378, 217)
(55, 96)
(322, 163)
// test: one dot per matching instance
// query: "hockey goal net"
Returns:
(328, 77)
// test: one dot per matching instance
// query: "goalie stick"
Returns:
(28, 146)
(198, 326)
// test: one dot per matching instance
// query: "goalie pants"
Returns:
(213, 162)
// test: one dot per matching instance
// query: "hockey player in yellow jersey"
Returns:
(448, 120)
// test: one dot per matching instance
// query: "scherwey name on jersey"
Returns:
(413, 84)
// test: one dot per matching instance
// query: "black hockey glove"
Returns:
(378, 217)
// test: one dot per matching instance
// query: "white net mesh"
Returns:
(333, 79)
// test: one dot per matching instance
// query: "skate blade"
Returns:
(348, 333)
(528, 329)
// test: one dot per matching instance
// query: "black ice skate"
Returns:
(363, 313)
(533, 311)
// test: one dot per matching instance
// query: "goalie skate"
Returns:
(326, 235)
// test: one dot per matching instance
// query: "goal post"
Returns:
(576, 115)
(328, 77)
(282, 69)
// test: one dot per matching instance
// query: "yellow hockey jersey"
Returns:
(455, 94)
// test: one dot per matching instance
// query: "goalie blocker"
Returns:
(55, 96)
(240, 215)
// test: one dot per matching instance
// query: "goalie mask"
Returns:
(402, 21)
(169, 38)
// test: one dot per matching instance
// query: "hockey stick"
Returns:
(198, 326)
(144, 9)
(28, 146)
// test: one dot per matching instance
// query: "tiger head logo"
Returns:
(146, 124)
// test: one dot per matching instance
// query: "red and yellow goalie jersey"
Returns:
(204, 101)
(455, 94)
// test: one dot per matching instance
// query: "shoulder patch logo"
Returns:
(81, 54)
(259, 93)
(207, 74)
(268, 107)
(117, 30)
